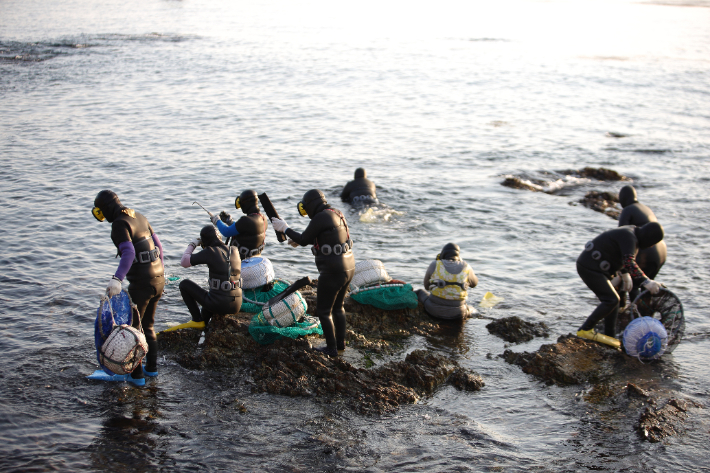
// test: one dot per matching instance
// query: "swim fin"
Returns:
(599, 337)
(101, 375)
(151, 374)
(137, 382)
(190, 324)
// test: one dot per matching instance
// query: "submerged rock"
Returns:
(517, 183)
(622, 387)
(600, 174)
(289, 367)
(604, 202)
(514, 329)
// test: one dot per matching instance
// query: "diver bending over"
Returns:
(448, 278)
(142, 264)
(225, 294)
(611, 252)
(360, 191)
(650, 259)
(249, 232)
(328, 233)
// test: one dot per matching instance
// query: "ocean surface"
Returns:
(168, 102)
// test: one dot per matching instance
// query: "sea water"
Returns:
(168, 102)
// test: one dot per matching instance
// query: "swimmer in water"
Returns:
(360, 191)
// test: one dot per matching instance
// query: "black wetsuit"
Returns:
(225, 293)
(650, 259)
(359, 191)
(602, 257)
(146, 279)
(327, 229)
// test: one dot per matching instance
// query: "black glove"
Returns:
(226, 218)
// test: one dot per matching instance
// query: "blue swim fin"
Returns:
(101, 375)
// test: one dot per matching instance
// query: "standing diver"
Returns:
(649, 259)
(448, 278)
(142, 264)
(360, 191)
(225, 294)
(608, 253)
(328, 233)
(249, 232)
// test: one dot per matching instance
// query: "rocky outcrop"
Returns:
(615, 380)
(604, 202)
(290, 367)
(516, 330)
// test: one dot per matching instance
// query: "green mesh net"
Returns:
(388, 296)
(264, 333)
(257, 295)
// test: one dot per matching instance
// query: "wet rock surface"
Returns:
(619, 387)
(516, 330)
(604, 202)
(600, 174)
(290, 367)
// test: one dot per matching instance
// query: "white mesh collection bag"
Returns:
(256, 272)
(369, 272)
(123, 349)
(285, 312)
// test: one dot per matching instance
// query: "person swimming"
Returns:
(360, 191)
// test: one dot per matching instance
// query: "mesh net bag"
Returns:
(387, 296)
(270, 325)
(253, 299)
(123, 350)
(664, 307)
(645, 338)
(256, 272)
(369, 272)
(114, 311)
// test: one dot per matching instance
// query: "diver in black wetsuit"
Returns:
(142, 264)
(328, 233)
(225, 294)
(360, 191)
(249, 232)
(610, 252)
(649, 259)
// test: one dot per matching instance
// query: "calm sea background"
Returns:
(167, 102)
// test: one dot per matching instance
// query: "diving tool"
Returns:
(271, 213)
(210, 213)
(599, 337)
(303, 282)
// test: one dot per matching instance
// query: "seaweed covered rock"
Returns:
(517, 183)
(516, 330)
(604, 202)
(289, 367)
(657, 423)
(571, 360)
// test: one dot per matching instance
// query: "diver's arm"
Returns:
(228, 231)
(128, 254)
(159, 246)
(186, 260)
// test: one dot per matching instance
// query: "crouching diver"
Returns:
(142, 264)
(635, 213)
(360, 191)
(448, 278)
(611, 252)
(329, 234)
(249, 232)
(225, 294)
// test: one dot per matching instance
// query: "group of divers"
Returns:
(622, 260)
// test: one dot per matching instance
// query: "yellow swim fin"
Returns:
(490, 300)
(190, 324)
(599, 337)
